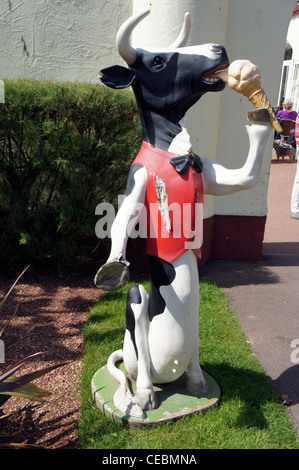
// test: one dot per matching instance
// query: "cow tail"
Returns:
(123, 398)
(115, 357)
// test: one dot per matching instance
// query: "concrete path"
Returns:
(265, 294)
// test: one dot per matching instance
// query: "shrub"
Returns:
(64, 148)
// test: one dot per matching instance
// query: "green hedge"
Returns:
(64, 148)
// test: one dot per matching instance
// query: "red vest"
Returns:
(174, 221)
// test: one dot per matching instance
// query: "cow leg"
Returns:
(196, 383)
(136, 349)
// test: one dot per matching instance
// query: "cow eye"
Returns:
(157, 61)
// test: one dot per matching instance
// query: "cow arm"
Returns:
(219, 180)
(134, 196)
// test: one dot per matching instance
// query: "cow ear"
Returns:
(117, 76)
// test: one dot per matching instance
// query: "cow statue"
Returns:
(162, 333)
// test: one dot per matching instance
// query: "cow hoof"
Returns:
(199, 389)
(124, 401)
(112, 276)
(146, 398)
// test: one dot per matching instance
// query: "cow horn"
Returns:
(123, 37)
(183, 37)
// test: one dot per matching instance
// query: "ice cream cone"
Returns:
(244, 77)
(259, 99)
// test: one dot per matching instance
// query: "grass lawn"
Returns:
(250, 414)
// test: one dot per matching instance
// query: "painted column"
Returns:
(234, 223)
(240, 218)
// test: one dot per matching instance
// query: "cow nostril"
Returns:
(215, 48)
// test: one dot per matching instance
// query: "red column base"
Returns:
(228, 237)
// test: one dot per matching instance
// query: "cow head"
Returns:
(166, 82)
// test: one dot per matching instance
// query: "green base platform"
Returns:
(174, 399)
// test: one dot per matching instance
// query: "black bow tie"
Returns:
(181, 162)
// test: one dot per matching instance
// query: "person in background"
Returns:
(287, 112)
(295, 192)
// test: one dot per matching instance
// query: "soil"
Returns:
(57, 308)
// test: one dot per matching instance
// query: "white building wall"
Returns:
(290, 72)
(293, 36)
(59, 39)
(73, 39)
(257, 31)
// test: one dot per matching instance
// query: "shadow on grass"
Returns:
(253, 389)
(97, 337)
